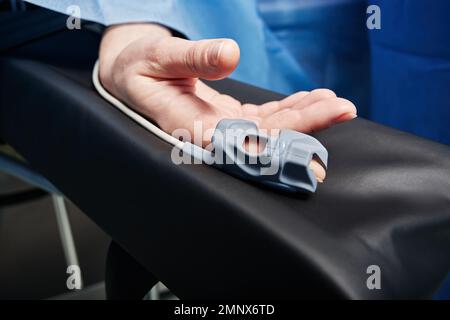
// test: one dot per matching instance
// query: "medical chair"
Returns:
(208, 235)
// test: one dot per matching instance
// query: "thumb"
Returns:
(178, 58)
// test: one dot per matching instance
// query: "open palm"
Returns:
(159, 77)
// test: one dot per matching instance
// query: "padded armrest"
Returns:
(205, 234)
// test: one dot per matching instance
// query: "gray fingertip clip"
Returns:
(281, 161)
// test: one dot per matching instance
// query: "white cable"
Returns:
(132, 114)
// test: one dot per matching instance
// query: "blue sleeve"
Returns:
(264, 61)
(167, 12)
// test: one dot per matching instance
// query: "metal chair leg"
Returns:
(154, 292)
(65, 231)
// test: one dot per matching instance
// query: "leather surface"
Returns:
(205, 234)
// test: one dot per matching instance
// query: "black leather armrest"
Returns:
(205, 234)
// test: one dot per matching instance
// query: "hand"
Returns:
(158, 75)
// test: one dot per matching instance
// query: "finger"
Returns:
(224, 101)
(318, 170)
(299, 100)
(313, 97)
(204, 91)
(255, 147)
(268, 108)
(179, 58)
(293, 99)
(315, 117)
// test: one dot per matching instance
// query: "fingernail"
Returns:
(346, 117)
(214, 53)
